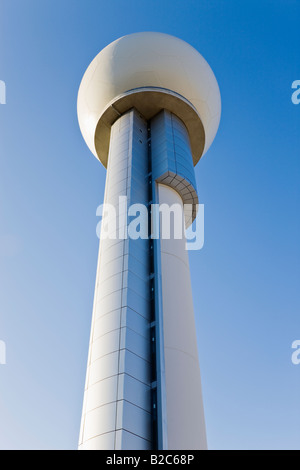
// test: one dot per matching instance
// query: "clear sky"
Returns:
(245, 279)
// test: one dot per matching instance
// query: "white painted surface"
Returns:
(185, 415)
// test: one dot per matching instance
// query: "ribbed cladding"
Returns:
(172, 161)
(117, 400)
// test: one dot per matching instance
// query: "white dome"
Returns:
(143, 60)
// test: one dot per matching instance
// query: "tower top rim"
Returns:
(149, 101)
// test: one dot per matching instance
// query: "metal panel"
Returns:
(133, 419)
(135, 322)
(135, 343)
(107, 323)
(102, 393)
(119, 345)
(105, 344)
(134, 391)
(103, 442)
(127, 441)
(171, 152)
(135, 366)
(106, 366)
(99, 421)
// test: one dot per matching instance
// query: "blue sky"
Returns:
(245, 279)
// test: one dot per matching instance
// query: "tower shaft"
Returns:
(143, 388)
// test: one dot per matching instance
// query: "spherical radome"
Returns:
(148, 59)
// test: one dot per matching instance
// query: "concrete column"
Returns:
(184, 406)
